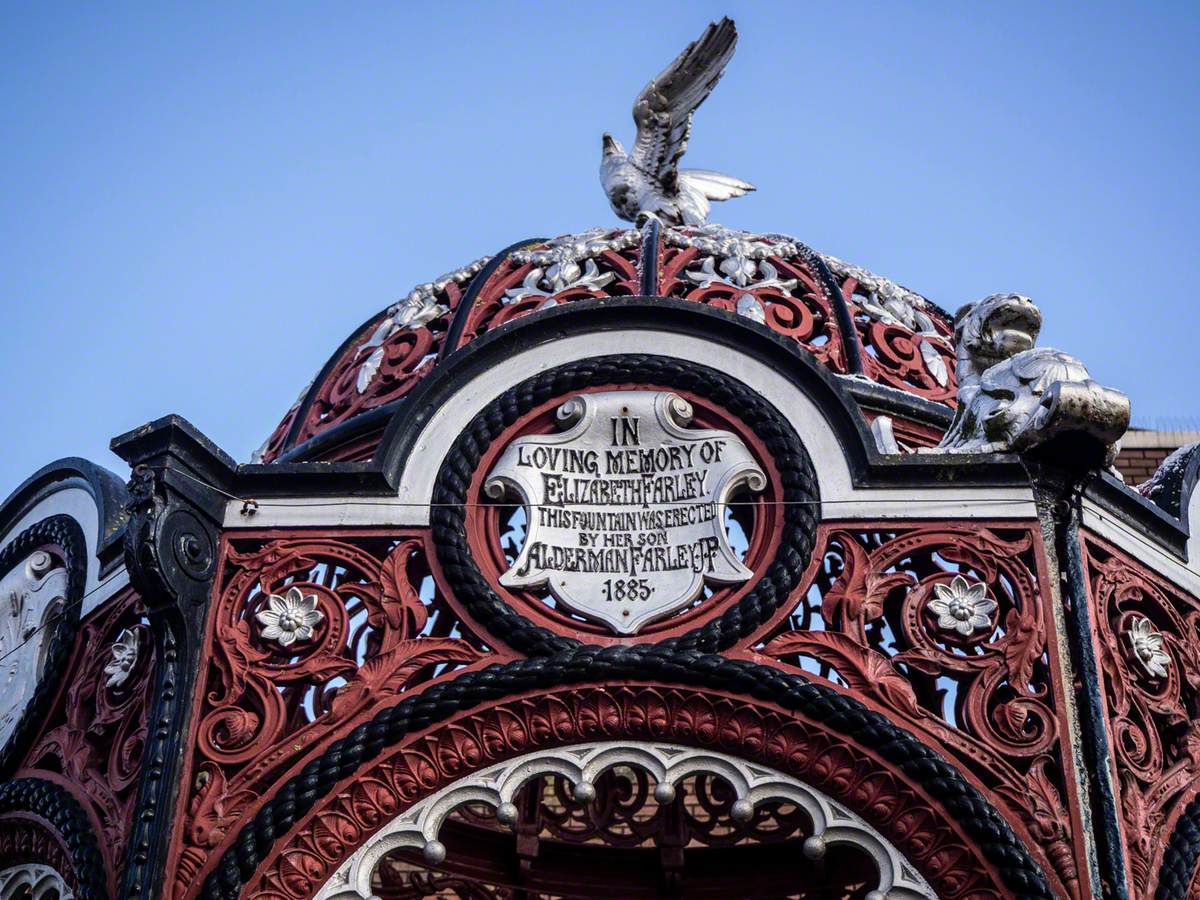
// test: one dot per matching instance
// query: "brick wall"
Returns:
(1143, 450)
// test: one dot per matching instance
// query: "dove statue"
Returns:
(648, 180)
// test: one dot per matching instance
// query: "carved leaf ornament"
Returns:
(124, 656)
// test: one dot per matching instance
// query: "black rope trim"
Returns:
(797, 478)
(58, 807)
(63, 532)
(822, 703)
(1180, 858)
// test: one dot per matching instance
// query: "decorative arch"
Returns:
(91, 495)
(786, 377)
(943, 837)
(33, 881)
(41, 822)
(668, 764)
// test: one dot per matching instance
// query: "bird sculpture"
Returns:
(648, 181)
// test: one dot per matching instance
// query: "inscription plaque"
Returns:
(625, 506)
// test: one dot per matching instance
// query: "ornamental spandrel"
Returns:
(625, 506)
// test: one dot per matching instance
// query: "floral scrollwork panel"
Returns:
(386, 359)
(945, 627)
(767, 280)
(97, 732)
(1148, 642)
(596, 263)
(307, 634)
(908, 342)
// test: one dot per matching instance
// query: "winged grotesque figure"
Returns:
(648, 180)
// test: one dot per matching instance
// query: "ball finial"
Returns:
(814, 847)
(584, 791)
(506, 814)
(434, 852)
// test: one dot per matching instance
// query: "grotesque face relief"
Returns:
(625, 506)
(32, 596)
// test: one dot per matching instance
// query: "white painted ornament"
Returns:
(32, 598)
(124, 655)
(556, 264)
(290, 618)
(415, 311)
(1147, 646)
(33, 881)
(748, 306)
(497, 786)
(962, 607)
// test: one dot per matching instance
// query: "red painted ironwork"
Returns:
(277, 442)
(625, 813)
(1153, 725)
(260, 705)
(304, 858)
(893, 350)
(495, 305)
(28, 838)
(634, 847)
(988, 698)
(408, 355)
(358, 449)
(795, 305)
(909, 434)
(861, 620)
(803, 313)
(93, 740)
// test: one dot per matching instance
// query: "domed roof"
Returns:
(870, 330)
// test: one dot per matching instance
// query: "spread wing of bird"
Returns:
(663, 110)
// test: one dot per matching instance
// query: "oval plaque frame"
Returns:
(799, 497)
(624, 491)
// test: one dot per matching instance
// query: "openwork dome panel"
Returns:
(857, 324)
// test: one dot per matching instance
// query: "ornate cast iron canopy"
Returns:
(666, 560)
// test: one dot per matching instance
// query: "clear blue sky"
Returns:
(200, 201)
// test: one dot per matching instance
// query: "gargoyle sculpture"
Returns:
(1013, 396)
